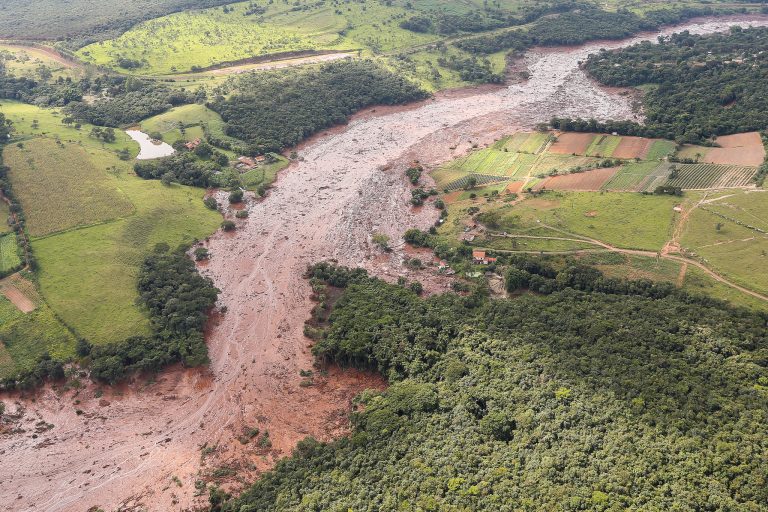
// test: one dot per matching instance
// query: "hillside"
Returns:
(536, 403)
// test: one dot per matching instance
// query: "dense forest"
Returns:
(273, 110)
(571, 399)
(580, 26)
(700, 85)
(119, 100)
(177, 300)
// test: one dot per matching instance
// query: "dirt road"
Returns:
(149, 443)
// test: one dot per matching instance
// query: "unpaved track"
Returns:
(132, 444)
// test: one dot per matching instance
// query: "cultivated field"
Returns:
(631, 176)
(704, 176)
(585, 181)
(60, 188)
(741, 149)
(9, 254)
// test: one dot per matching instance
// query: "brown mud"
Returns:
(147, 443)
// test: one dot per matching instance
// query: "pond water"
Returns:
(149, 147)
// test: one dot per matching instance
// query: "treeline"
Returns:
(580, 26)
(703, 85)
(184, 168)
(573, 400)
(121, 100)
(444, 23)
(131, 100)
(277, 109)
(177, 299)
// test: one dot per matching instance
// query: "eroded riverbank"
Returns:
(127, 446)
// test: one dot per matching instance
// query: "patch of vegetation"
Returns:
(84, 195)
(177, 299)
(704, 85)
(83, 21)
(497, 402)
(273, 110)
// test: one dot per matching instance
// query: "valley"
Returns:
(149, 443)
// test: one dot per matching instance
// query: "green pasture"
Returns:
(32, 121)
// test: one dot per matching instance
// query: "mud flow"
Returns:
(148, 443)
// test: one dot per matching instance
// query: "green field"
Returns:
(88, 275)
(25, 337)
(660, 149)
(631, 176)
(726, 243)
(4, 226)
(703, 176)
(28, 61)
(186, 122)
(30, 120)
(603, 146)
(60, 188)
(179, 42)
(9, 254)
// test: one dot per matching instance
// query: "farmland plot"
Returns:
(703, 176)
(604, 146)
(630, 176)
(9, 254)
(60, 188)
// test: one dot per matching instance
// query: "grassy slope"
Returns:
(49, 125)
(88, 275)
(739, 253)
(60, 188)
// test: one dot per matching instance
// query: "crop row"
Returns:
(480, 179)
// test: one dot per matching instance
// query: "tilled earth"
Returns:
(143, 446)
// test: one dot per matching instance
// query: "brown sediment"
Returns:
(127, 445)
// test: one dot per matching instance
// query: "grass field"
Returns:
(88, 275)
(59, 187)
(726, 243)
(29, 120)
(186, 122)
(181, 41)
(27, 61)
(9, 254)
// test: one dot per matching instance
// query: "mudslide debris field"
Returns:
(126, 446)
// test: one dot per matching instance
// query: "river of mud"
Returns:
(148, 444)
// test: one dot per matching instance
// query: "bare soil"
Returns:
(741, 149)
(632, 147)
(572, 143)
(583, 181)
(124, 448)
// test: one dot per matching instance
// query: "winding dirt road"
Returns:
(148, 444)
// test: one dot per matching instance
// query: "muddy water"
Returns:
(126, 446)
(149, 148)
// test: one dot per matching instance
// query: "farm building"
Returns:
(481, 258)
(191, 145)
